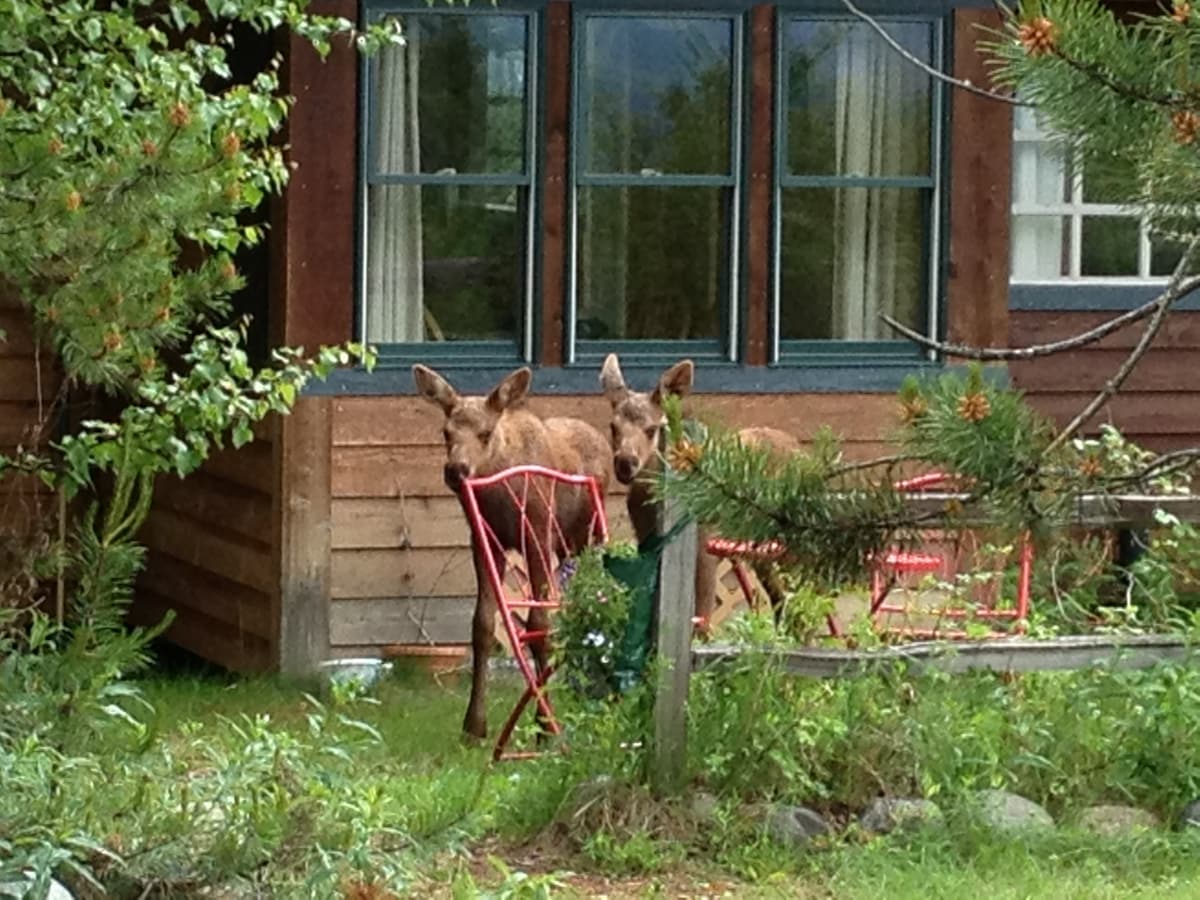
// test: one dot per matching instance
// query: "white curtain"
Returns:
(395, 294)
(871, 139)
(1039, 177)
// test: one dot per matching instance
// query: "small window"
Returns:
(655, 195)
(856, 207)
(449, 174)
(1075, 224)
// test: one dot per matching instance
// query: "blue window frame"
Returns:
(858, 199)
(449, 175)
(655, 171)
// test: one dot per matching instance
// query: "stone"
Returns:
(1116, 821)
(18, 889)
(1190, 817)
(886, 814)
(795, 825)
(1006, 811)
(704, 807)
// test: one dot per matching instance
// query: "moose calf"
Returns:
(485, 435)
(637, 419)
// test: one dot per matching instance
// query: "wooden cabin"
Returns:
(544, 181)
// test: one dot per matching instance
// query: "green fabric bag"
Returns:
(640, 575)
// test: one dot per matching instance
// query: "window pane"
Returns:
(1109, 181)
(1040, 175)
(854, 106)
(1165, 256)
(1041, 247)
(466, 74)
(1110, 246)
(445, 263)
(656, 95)
(848, 255)
(654, 262)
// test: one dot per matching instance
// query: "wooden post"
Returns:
(674, 607)
(305, 536)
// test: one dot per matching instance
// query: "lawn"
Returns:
(466, 828)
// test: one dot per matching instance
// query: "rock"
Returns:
(1006, 811)
(1190, 817)
(704, 807)
(885, 814)
(18, 889)
(795, 825)
(1116, 821)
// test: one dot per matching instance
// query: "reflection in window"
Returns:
(446, 255)
(654, 177)
(857, 180)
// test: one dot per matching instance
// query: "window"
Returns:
(857, 185)
(1071, 224)
(449, 175)
(656, 156)
(643, 135)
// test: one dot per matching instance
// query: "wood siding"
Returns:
(210, 558)
(401, 567)
(29, 383)
(1159, 406)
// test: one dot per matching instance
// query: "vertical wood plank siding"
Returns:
(758, 192)
(555, 189)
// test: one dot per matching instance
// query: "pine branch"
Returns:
(1174, 291)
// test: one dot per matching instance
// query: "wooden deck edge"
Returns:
(1001, 655)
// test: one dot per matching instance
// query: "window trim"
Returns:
(934, 241)
(523, 347)
(578, 351)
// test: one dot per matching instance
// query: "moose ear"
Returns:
(677, 381)
(434, 388)
(612, 381)
(511, 391)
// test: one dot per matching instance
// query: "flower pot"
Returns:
(440, 661)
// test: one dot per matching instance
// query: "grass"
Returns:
(481, 830)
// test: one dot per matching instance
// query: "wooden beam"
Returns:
(304, 536)
(312, 286)
(675, 604)
(758, 194)
(554, 181)
(1138, 651)
(980, 173)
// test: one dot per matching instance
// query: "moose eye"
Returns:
(446, 435)
(485, 436)
(616, 432)
(652, 432)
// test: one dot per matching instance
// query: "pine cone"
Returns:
(1182, 12)
(684, 456)
(1186, 123)
(912, 409)
(974, 407)
(1038, 36)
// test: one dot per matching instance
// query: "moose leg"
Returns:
(483, 629)
(539, 620)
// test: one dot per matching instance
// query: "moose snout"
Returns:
(626, 467)
(453, 473)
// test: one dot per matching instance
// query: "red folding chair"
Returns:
(985, 604)
(893, 567)
(525, 504)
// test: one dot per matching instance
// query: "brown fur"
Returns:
(637, 419)
(485, 435)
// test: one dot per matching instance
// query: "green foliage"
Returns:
(589, 630)
(1120, 96)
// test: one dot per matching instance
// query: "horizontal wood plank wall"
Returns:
(210, 558)
(29, 383)
(1159, 406)
(401, 569)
